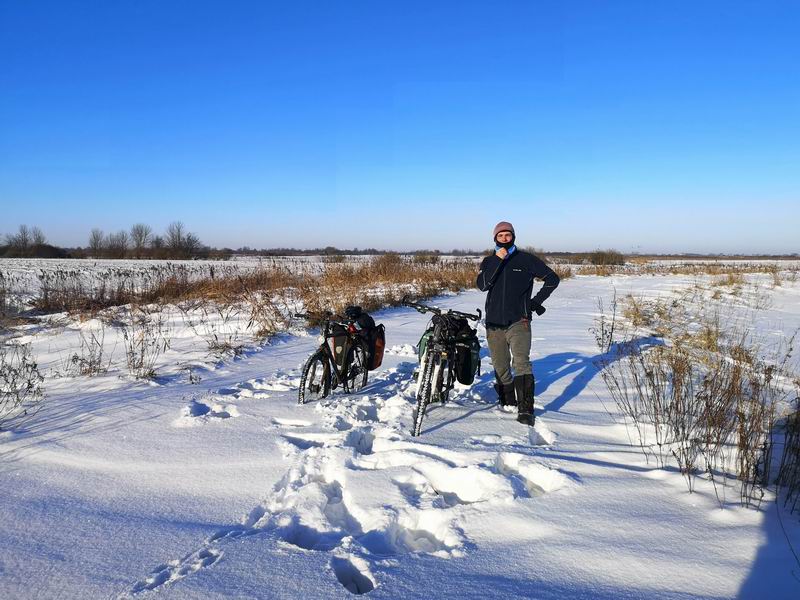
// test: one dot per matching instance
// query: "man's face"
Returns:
(504, 237)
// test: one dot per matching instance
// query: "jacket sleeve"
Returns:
(484, 278)
(551, 281)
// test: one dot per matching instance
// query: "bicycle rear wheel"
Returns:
(357, 369)
(315, 380)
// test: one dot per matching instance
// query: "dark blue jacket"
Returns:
(510, 285)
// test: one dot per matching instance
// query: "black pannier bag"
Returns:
(377, 344)
(375, 336)
(468, 354)
(339, 344)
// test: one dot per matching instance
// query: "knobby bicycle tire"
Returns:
(357, 371)
(310, 389)
(424, 385)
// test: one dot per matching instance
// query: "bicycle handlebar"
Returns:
(436, 310)
(326, 316)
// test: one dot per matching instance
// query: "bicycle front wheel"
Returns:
(424, 386)
(357, 369)
(315, 381)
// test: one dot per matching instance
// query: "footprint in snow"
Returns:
(200, 413)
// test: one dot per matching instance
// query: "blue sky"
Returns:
(670, 126)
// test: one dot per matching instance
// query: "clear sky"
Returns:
(650, 126)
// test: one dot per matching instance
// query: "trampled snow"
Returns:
(212, 482)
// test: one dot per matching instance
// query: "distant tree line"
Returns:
(140, 242)
(29, 242)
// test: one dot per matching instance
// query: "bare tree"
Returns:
(157, 243)
(38, 237)
(96, 242)
(175, 236)
(191, 244)
(20, 241)
(140, 236)
(117, 244)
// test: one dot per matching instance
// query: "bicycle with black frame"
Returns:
(341, 359)
(448, 338)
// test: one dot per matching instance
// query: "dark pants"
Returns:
(509, 347)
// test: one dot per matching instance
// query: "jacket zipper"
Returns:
(503, 312)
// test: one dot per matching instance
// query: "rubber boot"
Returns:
(501, 395)
(511, 398)
(505, 394)
(523, 388)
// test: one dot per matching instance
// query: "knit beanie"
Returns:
(503, 226)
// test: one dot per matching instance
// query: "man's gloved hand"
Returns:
(537, 308)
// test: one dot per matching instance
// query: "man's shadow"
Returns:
(551, 368)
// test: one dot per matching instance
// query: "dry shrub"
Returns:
(216, 323)
(775, 272)
(10, 308)
(426, 259)
(606, 257)
(638, 312)
(704, 400)
(146, 338)
(563, 271)
(20, 385)
(90, 357)
(789, 471)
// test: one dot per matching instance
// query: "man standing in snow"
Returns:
(508, 276)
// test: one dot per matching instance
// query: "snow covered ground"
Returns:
(211, 482)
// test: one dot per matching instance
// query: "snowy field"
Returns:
(212, 482)
(23, 276)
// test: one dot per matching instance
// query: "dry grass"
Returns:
(382, 282)
(643, 266)
(730, 279)
(264, 295)
(599, 270)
